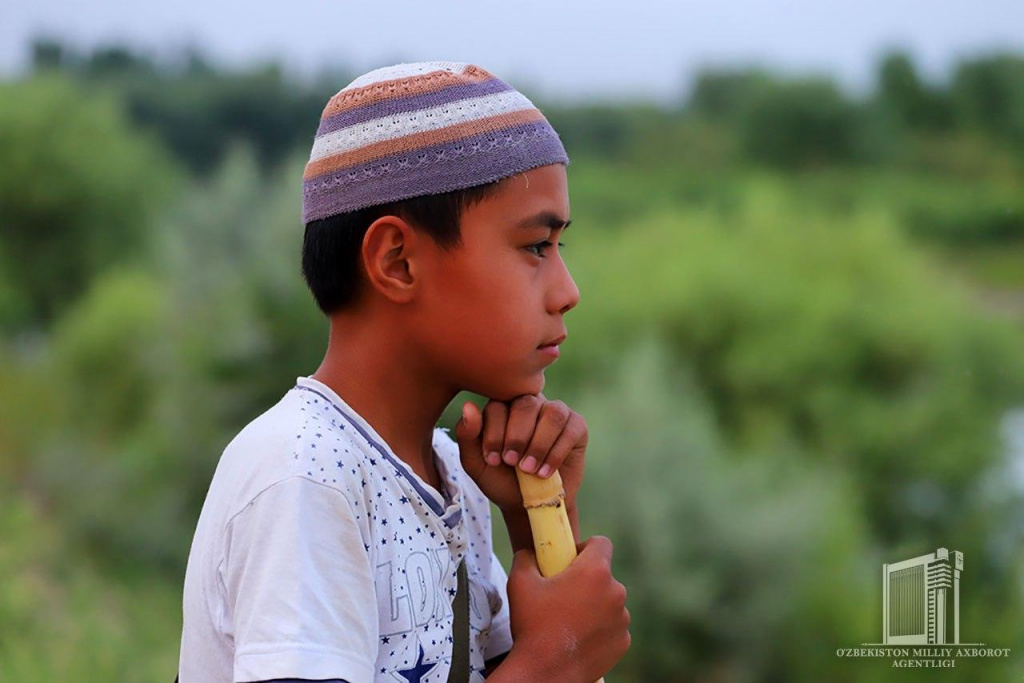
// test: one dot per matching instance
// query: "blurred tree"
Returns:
(593, 130)
(117, 60)
(47, 54)
(160, 366)
(912, 102)
(61, 619)
(804, 123)
(988, 94)
(847, 344)
(78, 188)
(198, 110)
(729, 562)
(725, 95)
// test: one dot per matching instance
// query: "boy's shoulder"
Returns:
(313, 434)
(295, 437)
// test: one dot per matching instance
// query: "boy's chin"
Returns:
(508, 391)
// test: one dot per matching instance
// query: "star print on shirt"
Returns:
(418, 671)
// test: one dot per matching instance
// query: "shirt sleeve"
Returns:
(299, 587)
(500, 640)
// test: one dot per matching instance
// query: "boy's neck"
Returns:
(379, 378)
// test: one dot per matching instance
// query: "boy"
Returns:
(345, 537)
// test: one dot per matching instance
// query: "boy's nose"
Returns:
(566, 294)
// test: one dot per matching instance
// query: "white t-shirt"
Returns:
(320, 554)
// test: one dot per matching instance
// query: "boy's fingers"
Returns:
(570, 437)
(467, 431)
(554, 416)
(525, 561)
(522, 422)
(598, 547)
(494, 418)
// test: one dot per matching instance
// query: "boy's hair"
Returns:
(332, 246)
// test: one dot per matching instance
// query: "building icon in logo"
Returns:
(916, 594)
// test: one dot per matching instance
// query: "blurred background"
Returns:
(799, 238)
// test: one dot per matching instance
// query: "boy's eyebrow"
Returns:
(548, 219)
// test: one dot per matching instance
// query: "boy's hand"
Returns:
(528, 427)
(573, 626)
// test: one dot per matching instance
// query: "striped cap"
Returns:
(417, 129)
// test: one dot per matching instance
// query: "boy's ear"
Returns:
(387, 249)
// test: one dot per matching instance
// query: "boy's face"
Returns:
(491, 304)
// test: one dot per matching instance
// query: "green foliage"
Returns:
(593, 127)
(110, 451)
(831, 335)
(160, 369)
(988, 94)
(233, 253)
(967, 216)
(63, 619)
(804, 123)
(913, 103)
(77, 188)
(200, 115)
(200, 110)
(106, 351)
(197, 110)
(783, 388)
(955, 211)
(727, 94)
(723, 556)
(795, 123)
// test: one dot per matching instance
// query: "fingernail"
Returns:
(545, 470)
(465, 412)
(511, 457)
(529, 464)
(494, 458)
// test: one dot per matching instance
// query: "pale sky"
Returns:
(563, 49)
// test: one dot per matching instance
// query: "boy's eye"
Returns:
(541, 246)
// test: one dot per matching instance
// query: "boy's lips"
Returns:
(553, 342)
(551, 348)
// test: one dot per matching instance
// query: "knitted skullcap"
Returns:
(417, 129)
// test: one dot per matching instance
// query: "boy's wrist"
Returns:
(517, 523)
(522, 667)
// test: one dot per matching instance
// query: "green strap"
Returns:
(459, 672)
